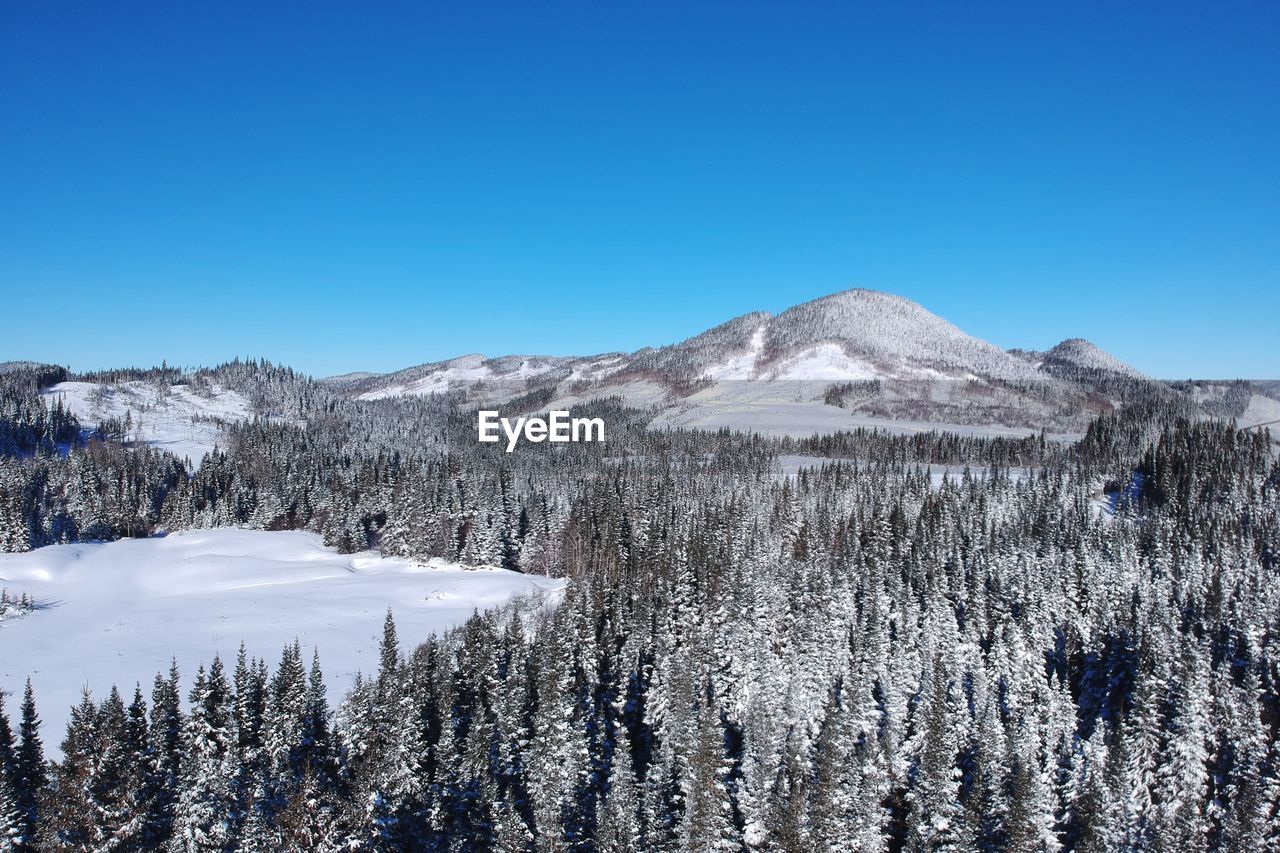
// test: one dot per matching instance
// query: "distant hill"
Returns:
(852, 335)
(810, 368)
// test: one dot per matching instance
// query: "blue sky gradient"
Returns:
(342, 187)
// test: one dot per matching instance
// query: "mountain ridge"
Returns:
(855, 334)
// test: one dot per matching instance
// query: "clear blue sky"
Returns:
(340, 187)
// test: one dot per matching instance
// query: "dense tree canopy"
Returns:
(1058, 648)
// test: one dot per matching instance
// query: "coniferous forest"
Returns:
(1057, 646)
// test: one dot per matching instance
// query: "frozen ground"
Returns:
(795, 409)
(174, 418)
(1261, 411)
(117, 612)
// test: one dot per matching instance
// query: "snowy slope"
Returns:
(880, 332)
(441, 376)
(1261, 411)
(120, 610)
(727, 351)
(743, 365)
(175, 418)
(825, 361)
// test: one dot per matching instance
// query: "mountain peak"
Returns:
(870, 333)
(866, 294)
(1081, 354)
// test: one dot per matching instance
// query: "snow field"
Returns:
(115, 613)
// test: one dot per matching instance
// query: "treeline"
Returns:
(934, 447)
(27, 426)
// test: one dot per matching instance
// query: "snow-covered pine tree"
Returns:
(204, 815)
(29, 771)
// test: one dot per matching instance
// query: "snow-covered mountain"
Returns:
(1076, 357)
(926, 369)
(852, 335)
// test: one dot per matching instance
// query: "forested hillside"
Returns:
(1066, 647)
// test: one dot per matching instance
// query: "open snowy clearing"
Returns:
(117, 612)
(175, 418)
(801, 416)
(1261, 411)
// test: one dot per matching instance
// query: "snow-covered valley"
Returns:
(118, 612)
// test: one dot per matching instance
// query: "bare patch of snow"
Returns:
(596, 369)
(825, 361)
(175, 418)
(740, 366)
(1261, 410)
